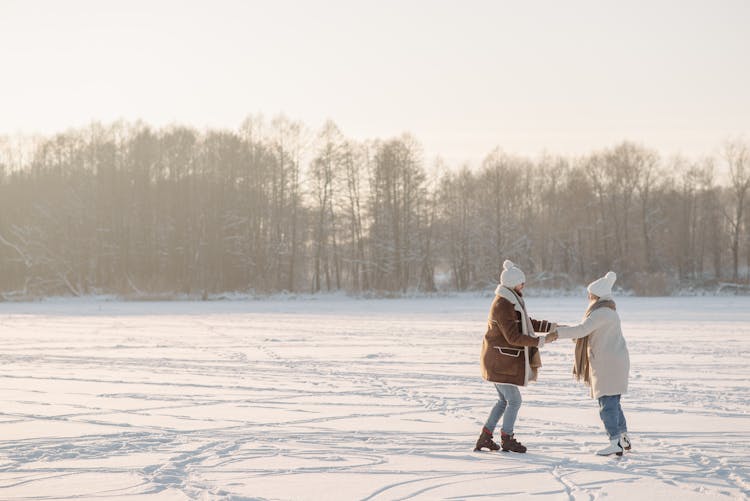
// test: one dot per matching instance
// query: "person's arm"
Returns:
(543, 325)
(589, 325)
(507, 321)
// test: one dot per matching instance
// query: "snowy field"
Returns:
(336, 398)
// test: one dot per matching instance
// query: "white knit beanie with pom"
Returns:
(602, 287)
(512, 275)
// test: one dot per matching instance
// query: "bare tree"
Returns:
(324, 170)
(396, 181)
(354, 163)
(737, 155)
(646, 165)
(131, 209)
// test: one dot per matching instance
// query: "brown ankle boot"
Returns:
(485, 440)
(511, 444)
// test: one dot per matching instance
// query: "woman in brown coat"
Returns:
(510, 356)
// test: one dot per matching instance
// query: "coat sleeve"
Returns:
(507, 321)
(541, 325)
(589, 325)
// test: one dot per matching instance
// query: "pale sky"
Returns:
(463, 77)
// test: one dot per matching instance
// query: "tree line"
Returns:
(128, 209)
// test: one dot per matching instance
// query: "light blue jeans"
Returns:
(610, 411)
(507, 406)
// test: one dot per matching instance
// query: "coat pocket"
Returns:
(509, 352)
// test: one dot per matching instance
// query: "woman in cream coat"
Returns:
(602, 360)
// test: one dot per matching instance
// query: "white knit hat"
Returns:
(602, 287)
(512, 275)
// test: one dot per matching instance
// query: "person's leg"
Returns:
(513, 396)
(609, 412)
(485, 437)
(496, 411)
(621, 423)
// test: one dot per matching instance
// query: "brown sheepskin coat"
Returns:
(510, 352)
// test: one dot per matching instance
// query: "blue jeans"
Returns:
(611, 413)
(507, 406)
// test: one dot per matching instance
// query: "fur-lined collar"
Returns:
(502, 290)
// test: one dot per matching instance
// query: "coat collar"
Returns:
(512, 296)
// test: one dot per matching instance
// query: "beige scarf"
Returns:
(581, 363)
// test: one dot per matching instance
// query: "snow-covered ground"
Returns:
(336, 398)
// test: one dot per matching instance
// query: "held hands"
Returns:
(552, 334)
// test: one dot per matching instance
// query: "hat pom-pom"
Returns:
(508, 264)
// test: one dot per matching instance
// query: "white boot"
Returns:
(625, 441)
(613, 448)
